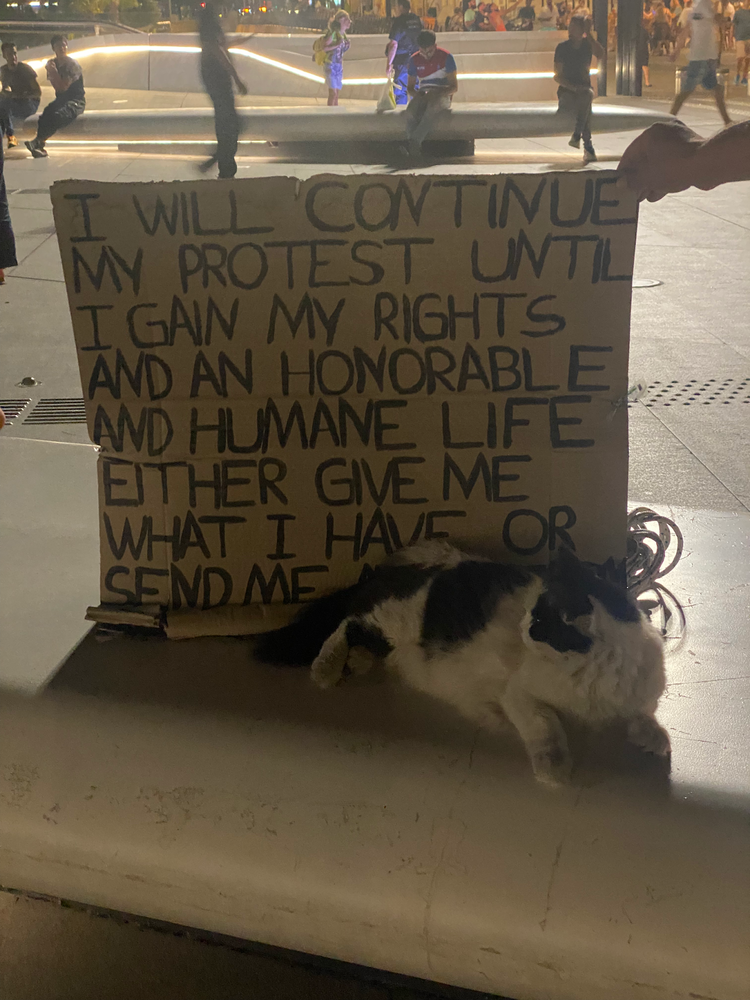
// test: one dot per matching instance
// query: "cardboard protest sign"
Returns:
(289, 381)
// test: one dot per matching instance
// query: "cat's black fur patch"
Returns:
(548, 626)
(463, 599)
(298, 643)
(571, 585)
(391, 580)
(367, 637)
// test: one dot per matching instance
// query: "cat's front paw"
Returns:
(552, 765)
(327, 670)
(646, 733)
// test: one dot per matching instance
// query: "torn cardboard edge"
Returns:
(228, 620)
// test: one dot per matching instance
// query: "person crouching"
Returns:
(66, 77)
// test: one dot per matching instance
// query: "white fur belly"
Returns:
(470, 677)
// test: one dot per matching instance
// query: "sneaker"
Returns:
(589, 156)
(206, 165)
(737, 80)
(36, 150)
(12, 142)
(575, 141)
(744, 81)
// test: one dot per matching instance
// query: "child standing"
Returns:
(333, 46)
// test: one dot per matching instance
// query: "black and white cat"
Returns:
(493, 640)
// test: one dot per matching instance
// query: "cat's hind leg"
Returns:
(645, 732)
(542, 733)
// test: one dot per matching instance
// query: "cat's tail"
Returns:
(298, 643)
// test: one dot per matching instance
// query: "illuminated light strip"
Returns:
(150, 142)
(38, 64)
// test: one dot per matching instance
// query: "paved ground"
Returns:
(689, 444)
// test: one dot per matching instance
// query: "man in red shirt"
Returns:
(433, 71)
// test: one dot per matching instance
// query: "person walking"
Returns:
(7, 239)
(742, 41)
(433, 71)
(334, 44)
(20, 94)
(218, 74)
(574, 92)
(402, 43)
(66, 77)
(702, 29)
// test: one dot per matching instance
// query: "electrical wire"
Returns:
(653, 541)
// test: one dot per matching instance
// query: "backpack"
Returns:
(320, 56)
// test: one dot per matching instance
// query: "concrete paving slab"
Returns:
(664, 471)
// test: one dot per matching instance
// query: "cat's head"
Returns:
(578, 606)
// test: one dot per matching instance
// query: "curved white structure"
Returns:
(512, 66)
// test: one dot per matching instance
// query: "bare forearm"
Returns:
(724, 158)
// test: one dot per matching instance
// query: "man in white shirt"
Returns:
(702, 28)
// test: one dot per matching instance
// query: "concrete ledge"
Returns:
(293, 125)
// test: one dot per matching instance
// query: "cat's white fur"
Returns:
(502, 671)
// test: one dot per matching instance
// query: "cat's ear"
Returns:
(565, 565)
(569, 583)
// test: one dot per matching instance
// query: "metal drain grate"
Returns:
(13, 408)
(57, 411)
(714, 390)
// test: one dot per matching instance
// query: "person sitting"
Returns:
(66, 77)
(457, 20)
(20, 93)
(574, 92)
(433, 70)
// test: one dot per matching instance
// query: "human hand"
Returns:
(660, 161)
(241, 88)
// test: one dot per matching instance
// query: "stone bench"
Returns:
(328, 134)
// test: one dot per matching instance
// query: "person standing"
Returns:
(335, 45)
(527, 16)
(20, 94)
(7, 239)
(66, 77)
(642, 52)
(742, 41)
(218, 74)
(470, 16)
(496, 18)
(433, 71)
(402, 44)
(574, 92)
(703, 30)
